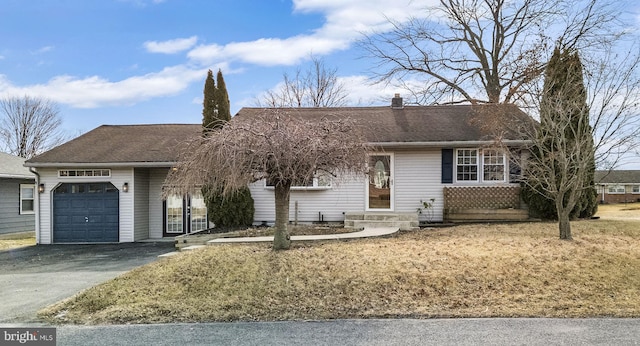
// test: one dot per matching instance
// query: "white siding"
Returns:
(49, 177)
(331, 203)
(418, 177)
(140, 190)
(156, 179)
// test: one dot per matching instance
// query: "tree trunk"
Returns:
(281, 239)
(564, 225)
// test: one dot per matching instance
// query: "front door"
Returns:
(185, 215)
(380, 183)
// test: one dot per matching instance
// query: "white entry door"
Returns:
(185, 215)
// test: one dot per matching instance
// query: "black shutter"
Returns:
(447, 166)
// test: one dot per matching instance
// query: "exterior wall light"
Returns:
(41, 188)
(125, 187)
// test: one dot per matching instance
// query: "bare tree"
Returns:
(566, 148)
(316, 87)
(29, 125)
(485, 50)
(274, 145)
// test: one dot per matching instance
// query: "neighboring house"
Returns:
(619, 186)
(17, 193)
(106, 185)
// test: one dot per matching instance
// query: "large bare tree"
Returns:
(276, 145)
(485, 50)
(29, 125)
(567, 147)
(318, 86)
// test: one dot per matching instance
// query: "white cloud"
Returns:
(95, 91)
(43, 50)
(361, 91)
(345, 22)
(171, 46)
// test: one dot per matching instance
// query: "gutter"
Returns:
(37, 199)
(446, 144)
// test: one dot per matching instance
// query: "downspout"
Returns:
(37, 198)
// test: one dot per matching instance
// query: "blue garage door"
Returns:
(85, 213)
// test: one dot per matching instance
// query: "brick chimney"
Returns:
(396, 102)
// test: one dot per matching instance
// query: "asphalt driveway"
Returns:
(36, 276)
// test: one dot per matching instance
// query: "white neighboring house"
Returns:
(17, 195)
(105, 186)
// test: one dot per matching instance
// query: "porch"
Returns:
(360, 220)
(483, 204)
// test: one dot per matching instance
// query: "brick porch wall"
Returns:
(620, 197)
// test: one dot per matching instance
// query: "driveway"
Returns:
(36, 276)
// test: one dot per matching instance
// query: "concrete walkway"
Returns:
(365, 233)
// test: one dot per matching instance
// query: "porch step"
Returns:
(360, 220)
(192, 247)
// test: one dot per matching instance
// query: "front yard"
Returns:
(11, 241)
(492, 270)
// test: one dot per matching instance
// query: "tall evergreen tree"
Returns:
(223, 106)
(224, 211)
(564, 145)
(209, 103)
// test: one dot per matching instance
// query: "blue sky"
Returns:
(145, 61)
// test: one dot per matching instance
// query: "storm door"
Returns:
(380, 183)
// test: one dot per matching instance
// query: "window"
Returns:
(616, 188)
(320, 182)
(467, 165)
(84, 173)
(493, 165)
(27, 203)
(636, 189)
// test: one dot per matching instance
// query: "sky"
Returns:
(145, 61)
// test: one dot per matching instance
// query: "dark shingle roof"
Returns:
(136, 144)
(122, 144)
(424, 124)
(617, 177)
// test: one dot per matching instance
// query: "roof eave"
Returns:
(17, 176)
(99, 164)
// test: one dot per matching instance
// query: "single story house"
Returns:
(106, 185)
(17, 193)
(618, 186)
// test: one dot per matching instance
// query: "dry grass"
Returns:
(619, 211)
(498, 270)
(8, 242)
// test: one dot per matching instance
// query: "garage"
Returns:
(85, 213)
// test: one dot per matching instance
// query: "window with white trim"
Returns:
(616, 188)
(27, 201)
(467, 164)
(493, 165)
(319, 182)
(64, 173)
(635, 189)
